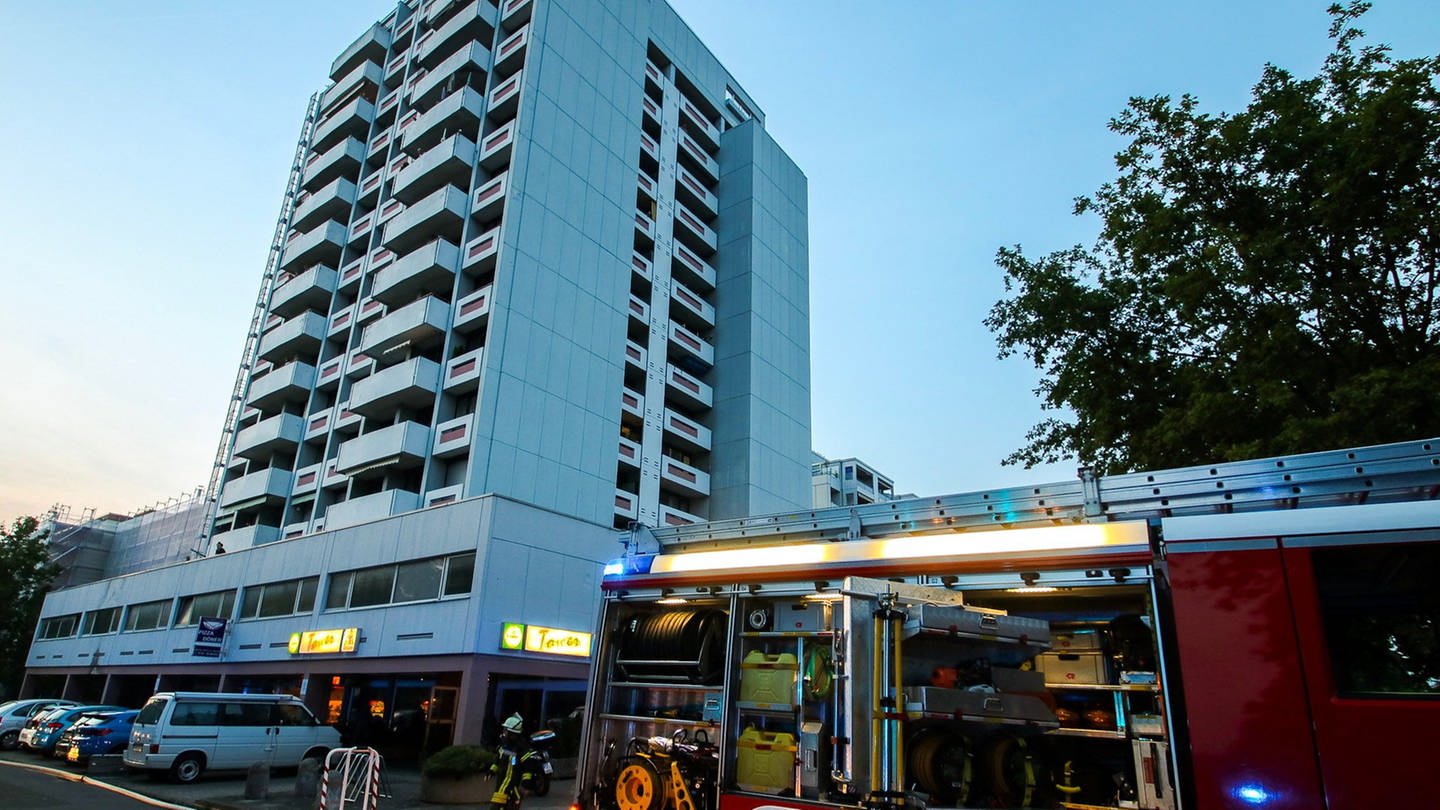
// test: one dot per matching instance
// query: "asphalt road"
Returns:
(24, 789)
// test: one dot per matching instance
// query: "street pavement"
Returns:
(222, 791)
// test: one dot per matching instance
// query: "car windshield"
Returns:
(151, 713)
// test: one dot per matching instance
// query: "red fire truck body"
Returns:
(1253, 634)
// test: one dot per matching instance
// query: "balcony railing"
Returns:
(398, 446)
(696, 234)
(489, 198)
(453, 437)
(437, 215)
(462, 373)
(692, 310)
(684, 432)
(323, 244)
(510, 53)
(458, 112)
(472, 311)
(342, 159)
(472, 58)
(364, 73)
(430, 268)
(495, 148)
(350, 121)
(676, 475)
(693, 270)
(449, 161)
(333, 201)
(278, 433)
(367, 508)
(505, 98)
(300, 335)
(475, 21)
(481, 252)
(418, 323)
(288, 383)
(409, 384)
(256, 489)
(687, 390)
(312, 289)
(370, 46)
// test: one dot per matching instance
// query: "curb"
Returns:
(75, 777)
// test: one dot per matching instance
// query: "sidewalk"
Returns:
(226, 791)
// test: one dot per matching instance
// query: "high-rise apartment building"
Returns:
(543, 272)
(540, 249)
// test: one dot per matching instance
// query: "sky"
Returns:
(146, 146)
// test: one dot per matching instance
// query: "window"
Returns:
(289, 598)
(849, 473)
(292, 714)
(100, 622)
(59, 626)
(1380, 611)
(147, 615)
(245, 714)
(195, 714)
(415, 581)
(217, 605)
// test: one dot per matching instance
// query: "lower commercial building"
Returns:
(408, 632)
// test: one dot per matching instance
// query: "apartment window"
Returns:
(414, 581)
(849, 473)
(217, 605)
(146, 615)
(289, 598)
(59, 626)
(100, 622)
(1380, 609)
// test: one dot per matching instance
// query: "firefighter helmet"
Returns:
(513, 723)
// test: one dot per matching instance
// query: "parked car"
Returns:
(94, 734)
(47, 727)
(187, 733)
(14, 713)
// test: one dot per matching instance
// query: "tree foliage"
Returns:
(25, 574)
(1263, 283)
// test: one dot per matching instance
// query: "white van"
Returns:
(187, 733)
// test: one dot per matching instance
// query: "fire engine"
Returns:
(1249, 634)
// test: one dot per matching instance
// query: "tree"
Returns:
(1263, 283)
(27, 571)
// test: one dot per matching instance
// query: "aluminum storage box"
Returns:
(962, 704)
(960, 622)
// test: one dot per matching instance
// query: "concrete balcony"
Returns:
(688, 307)
(368, 309)
(635, 354)
(495, 148)
(330, 373)
(489, 200)
(419, 323)
(319, 246)
(690, 348)
(510, 53)
(649, 147)
(693, 232)
(380, 143)
(347, 422)
(291, 382)
(399, 446)
(333, 201)
(270, 486)
(379, 257)
(350, 121)
(428, 269)
(677, 476)
(641, 267)
(247, 537)
(687, 390)
(448, 162)
(698, 126)
(453, 437)
(361, 228)
(358, 365)
(312, 289)
(370, 188)
(471, 59)
(396, 65)
(649, 188)
(694, 157)
(440, 214)
(472, 311)
(364, 74)
(341, 160)
(652, 109)
(367, 508)
(475, 21)
(505, 98)
(644, 230)
(435, 497)
(482, 252)
(514, 13)
(317, 425)
(629, 454)
(389, 105)
(410, 384)
(627, 504)
(278, 433)
(341, 322)
(639, 311)
(691, 269)
(670, 516)
(690, 191)
(458, 112)
(297, 337)
(686, 433)
(371, 46)
(462, 372)
(633, 403)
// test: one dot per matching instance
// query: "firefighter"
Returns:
(512, 763)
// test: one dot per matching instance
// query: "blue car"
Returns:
(96, 734)
(49, 726)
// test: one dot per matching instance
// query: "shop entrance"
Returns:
(544, 703)
(401, 716)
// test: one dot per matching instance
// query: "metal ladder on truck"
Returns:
(252, 336)
(1404, 471)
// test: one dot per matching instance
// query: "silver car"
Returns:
(14, 713)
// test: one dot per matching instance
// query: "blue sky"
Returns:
(146, 146)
